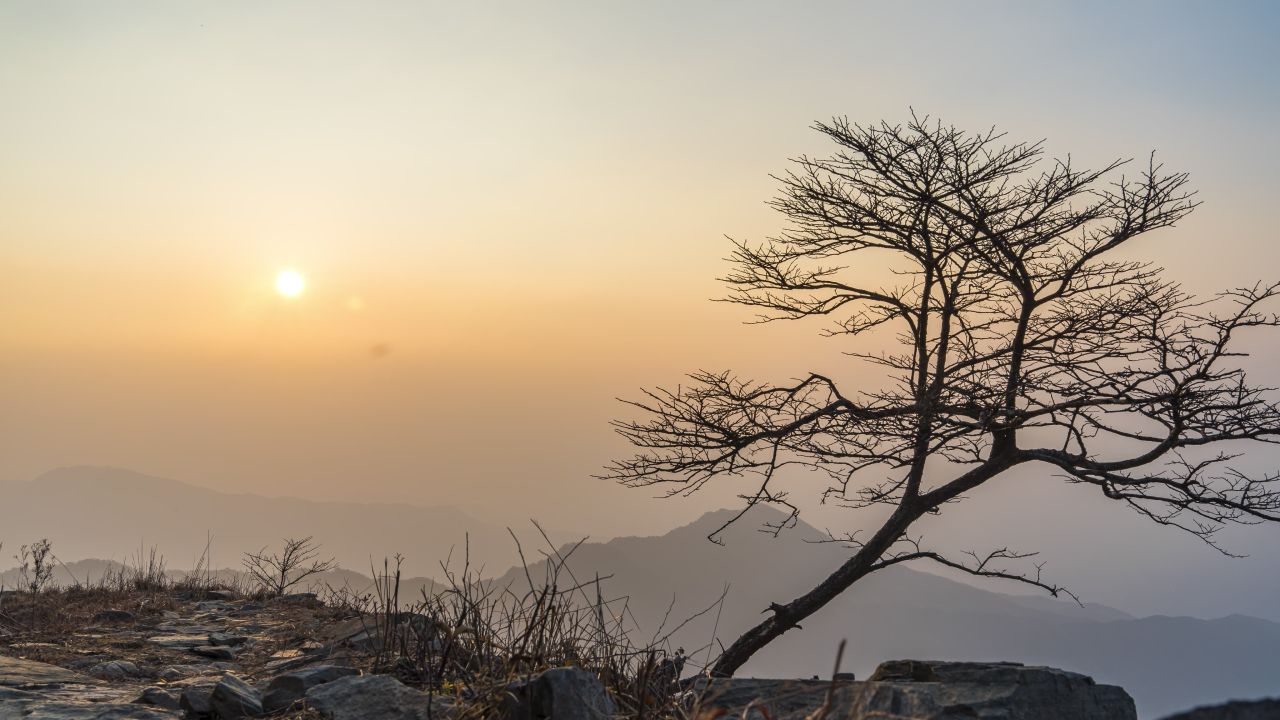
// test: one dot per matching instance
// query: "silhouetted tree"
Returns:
(1019, 335)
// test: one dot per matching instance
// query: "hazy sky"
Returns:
(508, 214)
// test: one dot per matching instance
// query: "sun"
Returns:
(290, 283)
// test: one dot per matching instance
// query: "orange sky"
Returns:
(529, 204)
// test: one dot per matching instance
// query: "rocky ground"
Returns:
(149, 656)
(162, 655)
(144, 656)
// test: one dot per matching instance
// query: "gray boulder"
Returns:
(233, 698)
(374, 697)
(928, 690)
(158, 697)
(227, 639)
(567, 693)
(197, 700)
(991, 690)
(115, 670)
(21, 673)
(287, 689)
(1235, 710)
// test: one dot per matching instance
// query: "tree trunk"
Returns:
(859, 566)
(787, 616)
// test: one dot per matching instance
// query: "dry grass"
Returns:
(473, 639)
(143, 586)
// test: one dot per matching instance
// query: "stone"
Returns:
(1010, 691)
(215, 652)
(1268, 709)
(179, 641)
(565, 693)
(197, 700)
(233, 698)
(159, 697)
(28, 674)
(178, 672)
(904, 671)
(374, 697)
(115, 670)
(359, 633)
(80, 711)
(287, 689)
(114, 616)
(227, 639)
(917, 689)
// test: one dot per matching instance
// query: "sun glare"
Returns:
(290, 283)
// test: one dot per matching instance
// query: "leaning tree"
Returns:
(1020, 330)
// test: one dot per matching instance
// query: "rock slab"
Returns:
(287, 689)
(1237, 710)
(197, 700)
(567, 693)
(373, 697)
(158, 697)
(20, 673)
(233, 698)
(931, 690)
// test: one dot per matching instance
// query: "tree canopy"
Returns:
(1022, 331)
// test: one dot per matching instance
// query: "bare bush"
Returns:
(297, 561)
(35, 565)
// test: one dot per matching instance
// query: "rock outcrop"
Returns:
(924, 690)
(1239, 710)
(289, 688)
(567, 693)
(374, 697)
(233, 699)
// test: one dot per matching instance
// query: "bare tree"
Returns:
(295, 563)
(1020, 334)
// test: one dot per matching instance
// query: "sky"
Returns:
(510, 214)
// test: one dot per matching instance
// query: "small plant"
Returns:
(297, 561)
(35, 565)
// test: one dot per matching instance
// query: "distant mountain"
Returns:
(1166, 663)
(109, 513)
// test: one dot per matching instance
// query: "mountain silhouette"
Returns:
(113, 514)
